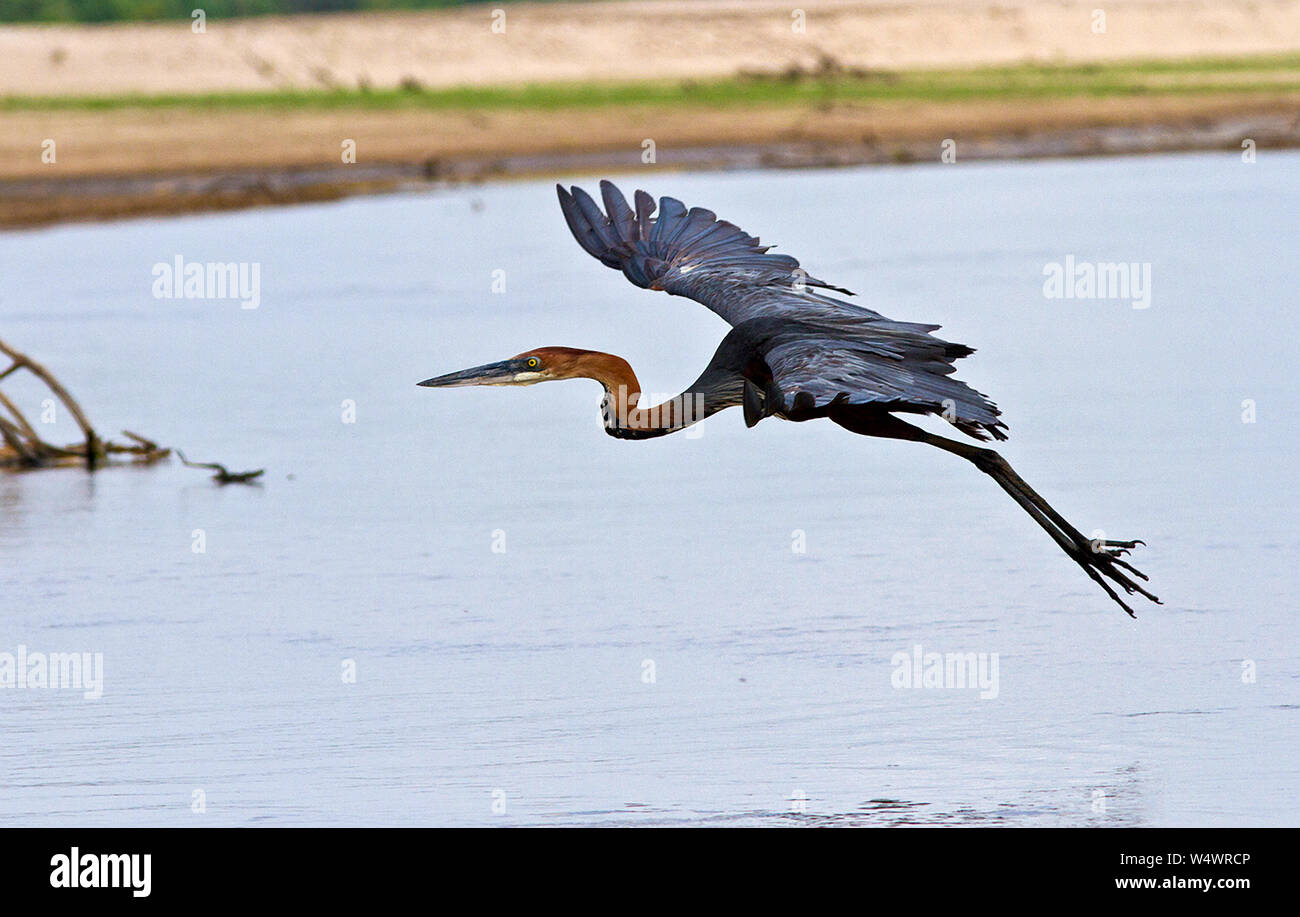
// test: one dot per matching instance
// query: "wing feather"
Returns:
(620, 214)
(900, 366)
(690, 253)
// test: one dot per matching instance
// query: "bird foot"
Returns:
(1101, 560)
(1115, 548)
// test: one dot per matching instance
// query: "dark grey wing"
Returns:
(694, 254)
(820, 350)
(897, 366)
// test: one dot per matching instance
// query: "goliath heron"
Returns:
(793, 352)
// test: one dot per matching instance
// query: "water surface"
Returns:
(649, 647)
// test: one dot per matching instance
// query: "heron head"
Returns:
(529, 368)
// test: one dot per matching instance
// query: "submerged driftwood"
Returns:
(22, 447)
(222, 476)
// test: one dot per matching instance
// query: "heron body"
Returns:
(794, 352)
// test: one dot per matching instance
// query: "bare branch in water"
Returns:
(22, 447)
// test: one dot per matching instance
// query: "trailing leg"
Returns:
(1100, 559)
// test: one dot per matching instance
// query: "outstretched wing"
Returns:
(694, 254)
(820, 350)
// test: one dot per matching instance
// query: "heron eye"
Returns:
(532, 361)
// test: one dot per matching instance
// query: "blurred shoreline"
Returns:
(623, 41)
(36, 201)
(103, 122)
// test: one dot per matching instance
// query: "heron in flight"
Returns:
(793, 352)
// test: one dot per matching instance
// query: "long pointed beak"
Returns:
(503, 373)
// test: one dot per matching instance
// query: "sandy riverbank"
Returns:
(845, 90)
(637, 40)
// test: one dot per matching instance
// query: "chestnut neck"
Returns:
(623, 415)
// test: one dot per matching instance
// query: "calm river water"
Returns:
(549, 626)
